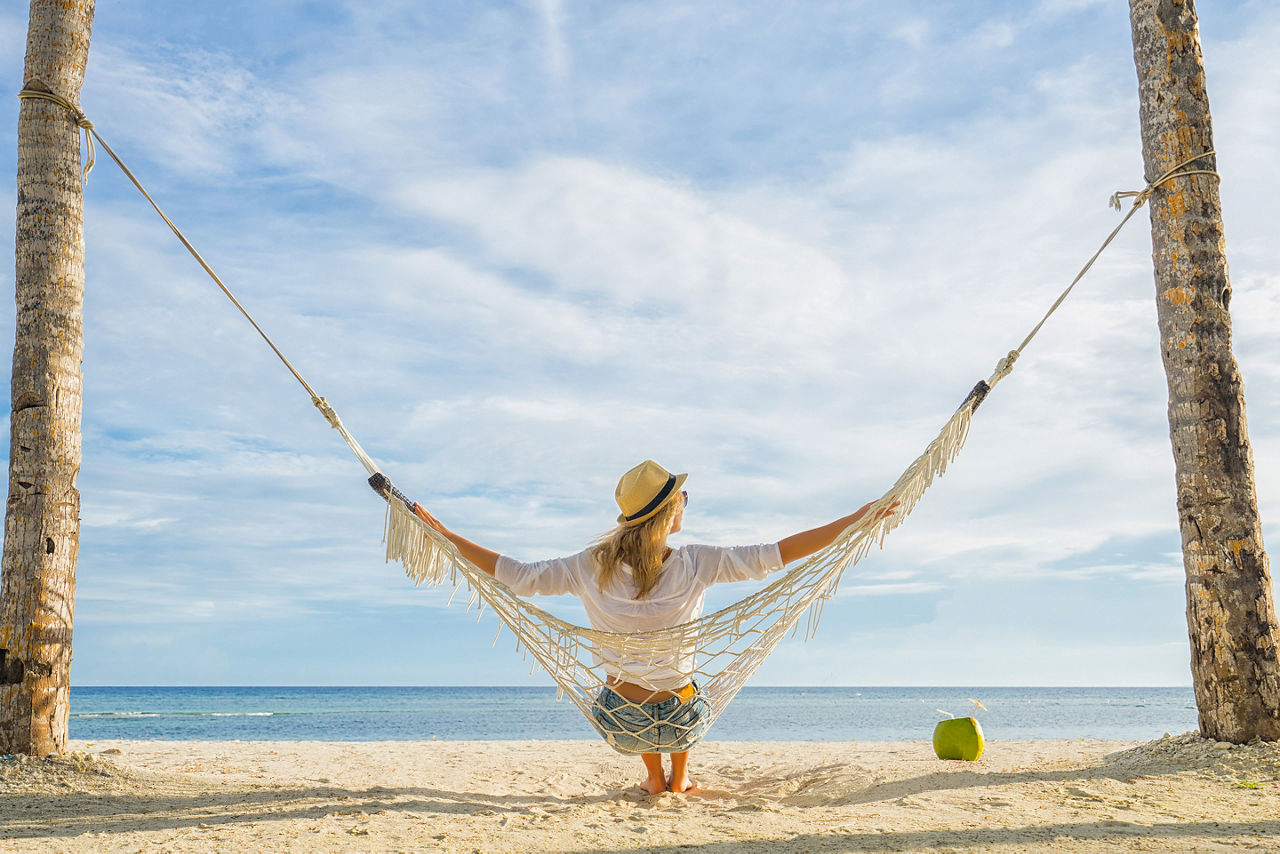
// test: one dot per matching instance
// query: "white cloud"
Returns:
(995, 35)
(914, 32)
(625, 243)
(187, 108)
(558, 60)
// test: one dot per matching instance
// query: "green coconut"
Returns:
(958, 738)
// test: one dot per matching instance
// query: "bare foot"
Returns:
(683, 786)
(654, 787)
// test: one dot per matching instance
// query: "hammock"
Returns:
(726, 647)
(718, 652)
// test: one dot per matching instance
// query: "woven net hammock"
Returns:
(719, 651)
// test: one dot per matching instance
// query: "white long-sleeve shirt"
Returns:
(677, 597)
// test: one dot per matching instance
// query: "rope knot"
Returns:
(1140, 196)
(328, 412)
(1005, 365)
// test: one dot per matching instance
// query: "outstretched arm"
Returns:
(806, 543)
(484, 558)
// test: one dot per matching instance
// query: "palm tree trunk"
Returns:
(42, 516)
(1231, 615)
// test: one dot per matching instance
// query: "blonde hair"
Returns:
(642, 547)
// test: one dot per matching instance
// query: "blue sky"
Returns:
(522, 246)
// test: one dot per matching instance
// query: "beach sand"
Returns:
(1174, 794)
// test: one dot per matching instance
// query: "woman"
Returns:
(631, 581)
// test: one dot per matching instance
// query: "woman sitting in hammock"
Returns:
(631, 581)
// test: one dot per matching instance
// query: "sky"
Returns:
(522, 246)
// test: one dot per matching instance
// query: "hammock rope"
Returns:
(90, 134)
(718, 652)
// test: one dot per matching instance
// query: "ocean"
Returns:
(527, 713)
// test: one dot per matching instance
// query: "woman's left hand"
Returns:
(886, 511)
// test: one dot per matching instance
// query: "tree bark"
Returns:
(42, 516)
(1231, 615)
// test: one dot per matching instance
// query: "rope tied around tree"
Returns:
(81, 120)
(1140, 196)
(1139, 199)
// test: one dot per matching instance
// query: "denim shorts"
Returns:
(670, 726)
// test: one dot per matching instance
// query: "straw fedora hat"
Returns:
(642, 491)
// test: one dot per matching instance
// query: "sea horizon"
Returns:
(501, 713)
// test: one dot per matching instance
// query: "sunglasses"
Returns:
(685, 495)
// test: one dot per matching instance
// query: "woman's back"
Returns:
(676, 597)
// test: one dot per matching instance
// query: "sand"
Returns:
(1174, 794)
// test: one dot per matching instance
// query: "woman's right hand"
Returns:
(421, 513)
(485, 559)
